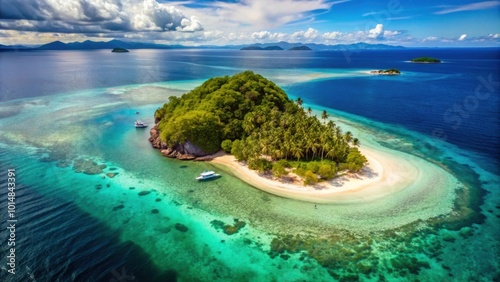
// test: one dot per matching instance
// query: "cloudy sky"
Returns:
(399, 22)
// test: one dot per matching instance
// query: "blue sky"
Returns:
(421, 23)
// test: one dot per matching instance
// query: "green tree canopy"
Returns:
(255, 118)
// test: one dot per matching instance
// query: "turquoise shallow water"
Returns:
(152, 220)
(95, 125)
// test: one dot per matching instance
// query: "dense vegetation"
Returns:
(425, 60)
(300, 48)
(387, 72)
(119, 50)
(253, 119)
(252, 48)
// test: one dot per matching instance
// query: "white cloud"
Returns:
(373, 13)
(470, 7)
(84, 16)
(464, 40)
(261, 35)
(309, 35)
(339, 2)
(12, 37)
(332, 35)
(266, 36)
(268, 13)
(401, 18)
(377, 32)
(391, 33)
(431, 38)
(219, 36)
(190, 25)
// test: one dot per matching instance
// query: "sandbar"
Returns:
(385, 174)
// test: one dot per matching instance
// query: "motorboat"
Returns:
(140, 124)
(207, 175)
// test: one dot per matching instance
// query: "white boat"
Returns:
(207, 175)
(140, 124)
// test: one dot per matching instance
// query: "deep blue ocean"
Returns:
(428, 97)
(67, 233)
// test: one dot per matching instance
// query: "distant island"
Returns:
(425, 60)
(300, 48)
(260, 48)
(253, 119)
(252, 48)
(274, 47)
(386, 72)
(96, 45)
(119, 50)
(323, 47)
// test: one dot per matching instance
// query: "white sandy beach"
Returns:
(385, 174)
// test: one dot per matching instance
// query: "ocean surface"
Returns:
(145, 218)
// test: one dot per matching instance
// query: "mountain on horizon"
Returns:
(95, 45)
(323, 47)
(16, 47)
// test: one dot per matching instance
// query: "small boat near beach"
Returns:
(140, 124)
(207, 175)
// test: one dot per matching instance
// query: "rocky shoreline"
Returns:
(184, 151)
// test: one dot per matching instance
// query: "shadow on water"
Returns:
(210, 179)
(131, 264)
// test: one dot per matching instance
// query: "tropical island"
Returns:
(119, 50)
(300, 48)
(253, 119)
(386, 72)
(275, 47)
(425, 60)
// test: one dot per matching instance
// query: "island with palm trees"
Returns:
(252, 119)
(386, 72)
(247, 126)
(425, 60)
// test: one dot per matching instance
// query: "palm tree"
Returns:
(322, 141)
(331, 152)
(324, 115)
(248, 125)
(331, 124)
(338, 132)
(310, 146)
(264, 147)
(300, 102)
(325, 149)
(356, 142)
(286, 149)
(348, 136)
(309, 110)
(297, 152)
